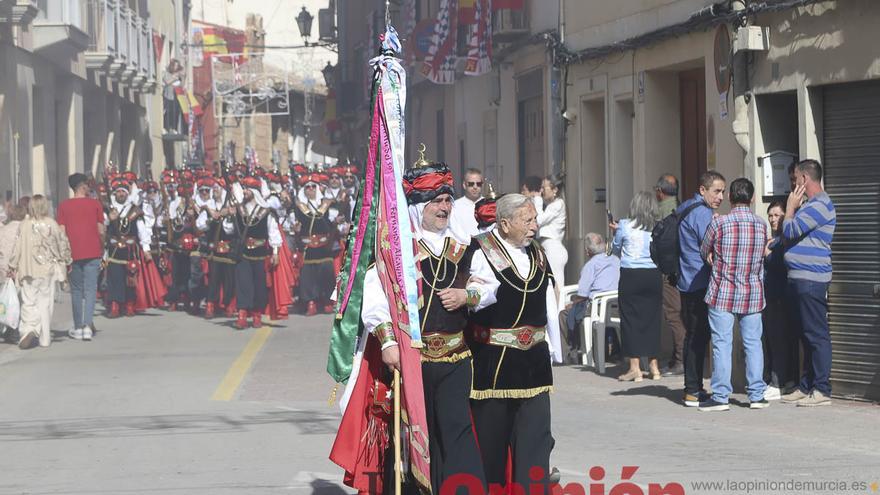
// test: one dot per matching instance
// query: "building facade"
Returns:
(291, 129)
(614, 94)
(689, 85)
(77, 88)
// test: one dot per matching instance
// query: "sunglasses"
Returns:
(474, 184)
(310, 186)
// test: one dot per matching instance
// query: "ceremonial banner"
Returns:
(385, 234)
(479, 59)
(439, 65)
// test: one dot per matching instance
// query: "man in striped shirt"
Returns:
(808, 230)
(734, 248)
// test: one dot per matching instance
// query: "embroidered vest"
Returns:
(508, 338)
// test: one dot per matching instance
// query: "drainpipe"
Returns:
(742, 97)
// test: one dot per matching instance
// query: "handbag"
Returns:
(10, 308)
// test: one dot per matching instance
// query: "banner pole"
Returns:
(397, 466)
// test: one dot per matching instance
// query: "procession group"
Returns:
(243, 241)
(487, 316)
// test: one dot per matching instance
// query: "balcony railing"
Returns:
(62, 12)
(120, 43)
(18, 11)
(509, 24)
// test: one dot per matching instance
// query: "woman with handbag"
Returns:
(39, 260)
(8, 237)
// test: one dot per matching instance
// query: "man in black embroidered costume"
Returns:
(317, 235)
(258, 239)
(450, 288)
(182, 242)
(219, 245)
(512, 371)
(127, 233)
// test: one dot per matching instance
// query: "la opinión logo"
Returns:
(459, 482)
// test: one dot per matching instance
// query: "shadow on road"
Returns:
(306, 423)
(325, 487)
(672, 395)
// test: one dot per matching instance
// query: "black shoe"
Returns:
(711, 405)
(694, 400)
(759, 404)
(674, 370)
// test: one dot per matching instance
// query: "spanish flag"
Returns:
(188, 103)
(213, 42)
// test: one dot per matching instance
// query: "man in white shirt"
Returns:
(463, 221)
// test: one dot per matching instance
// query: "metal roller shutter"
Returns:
(851, 115)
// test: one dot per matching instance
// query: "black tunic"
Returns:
(254, 237)
(122, 237)
(318, 233)
(449, 270)
(520, 369)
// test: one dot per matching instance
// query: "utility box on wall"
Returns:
(774, 169)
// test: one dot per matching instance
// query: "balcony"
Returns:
(120, 44)
(508, 25)
(20, 12)
(59, 27)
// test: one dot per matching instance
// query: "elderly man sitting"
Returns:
(600, 273)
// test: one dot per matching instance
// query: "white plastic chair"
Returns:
(604, 313)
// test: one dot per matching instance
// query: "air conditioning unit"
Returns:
(509, 24)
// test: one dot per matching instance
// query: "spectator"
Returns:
(734, 248)
(8, 238)
(781, 356)
(808, 230)
(464, 223)
(40, 259)
(693, 280)
(641, 287)
(172, 79)
(600, 273)
(551, 226)
(82, 218)
(666, 192)
(531, 186)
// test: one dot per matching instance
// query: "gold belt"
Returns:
(253, 242)
(441, 346)
(523, 337)
(123, 241)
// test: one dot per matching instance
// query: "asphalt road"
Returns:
(166, 403)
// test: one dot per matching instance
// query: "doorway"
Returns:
(692, 103)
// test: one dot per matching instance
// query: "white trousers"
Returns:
(37, 305)
(557, 255)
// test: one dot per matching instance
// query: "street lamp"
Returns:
(329, 73)
(304, 23)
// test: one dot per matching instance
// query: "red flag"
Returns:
(466, 11)
(508, 4)
(158, 45)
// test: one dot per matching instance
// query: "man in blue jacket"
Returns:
(693, 280)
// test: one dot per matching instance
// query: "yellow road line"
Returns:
(227, 388)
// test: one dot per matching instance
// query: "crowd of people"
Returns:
(237, 242)
(702, 272)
